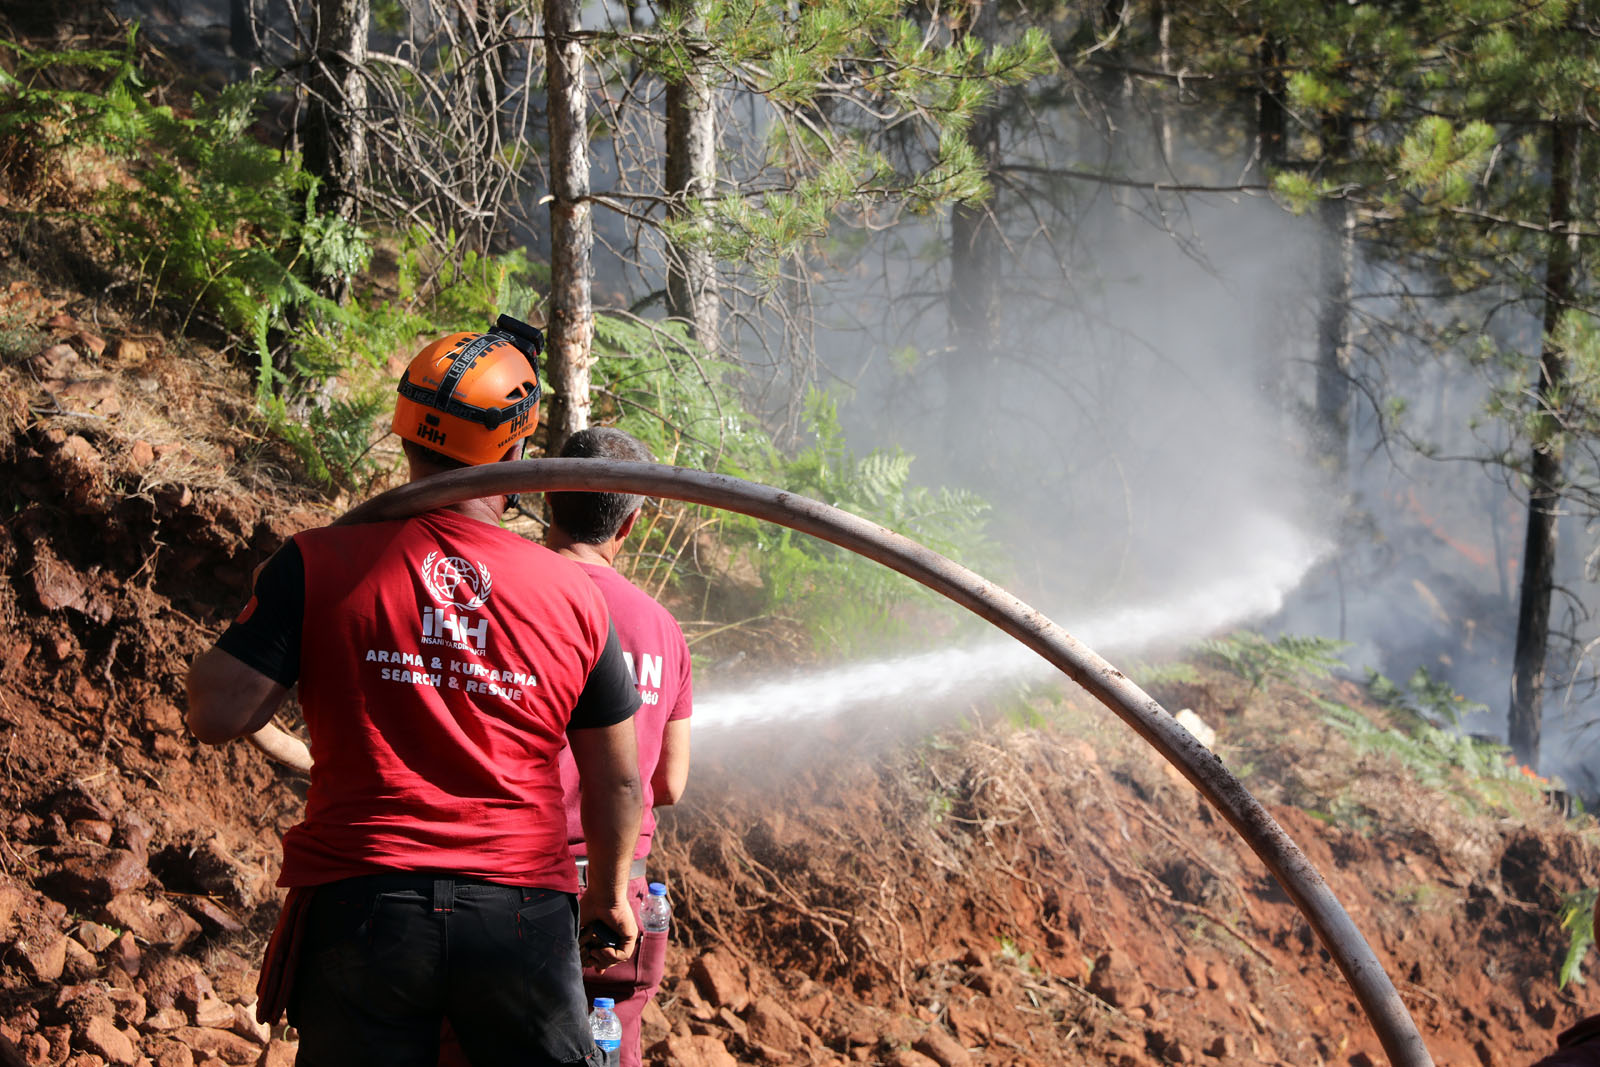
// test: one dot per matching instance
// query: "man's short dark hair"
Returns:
(595, 518)
(439, 460)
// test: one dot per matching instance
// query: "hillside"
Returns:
(1038, 890)
(1020, 884)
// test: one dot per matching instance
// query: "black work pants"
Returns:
(387, 957)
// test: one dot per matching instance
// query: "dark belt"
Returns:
(635, 870)
(421, 881)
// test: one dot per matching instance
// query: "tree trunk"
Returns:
(1272, 117)
(973, 298)
(1544, 493)
(973, 239)
(336, 136)
(242, 40)
(1161, 17)
(1337, 264)
(1279, 380)
(571, 326)
(973, 289)
(692, 290)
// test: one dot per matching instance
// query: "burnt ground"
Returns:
(1038, 890)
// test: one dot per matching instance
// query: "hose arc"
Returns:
(1390, 1019)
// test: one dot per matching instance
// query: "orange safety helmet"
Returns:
(471, 396)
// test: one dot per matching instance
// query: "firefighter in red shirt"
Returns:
(443, 663)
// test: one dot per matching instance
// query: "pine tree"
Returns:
(571, 320)
(693, 289)
(336, 136)
(1466, 165)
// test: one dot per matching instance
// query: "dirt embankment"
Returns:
(982, 895)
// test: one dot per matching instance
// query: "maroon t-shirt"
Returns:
(658, 658)
(440, 660)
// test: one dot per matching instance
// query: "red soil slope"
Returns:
(1004, 895)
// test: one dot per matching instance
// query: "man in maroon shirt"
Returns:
(443, 664)
(590, 528)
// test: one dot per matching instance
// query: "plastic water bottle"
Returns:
(655, 914)
(607, 1030)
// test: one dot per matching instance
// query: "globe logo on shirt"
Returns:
(456, 582)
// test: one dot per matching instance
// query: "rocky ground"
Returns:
(1007, 894)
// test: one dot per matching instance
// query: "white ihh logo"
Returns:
(444, 626)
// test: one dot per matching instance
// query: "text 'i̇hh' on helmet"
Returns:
(471, 396)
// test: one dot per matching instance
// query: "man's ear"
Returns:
(627, 525)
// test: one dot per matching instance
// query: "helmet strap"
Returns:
(512, 498)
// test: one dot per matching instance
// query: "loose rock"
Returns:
(213, 917)
(95, 937)
(278, 1054)
(245, 1025)
(96, 878)
(225, 1044)
(721, 981)
(44, 954)
(1115, 981)
(173, 1054)
(153, 920)
(213, 1012)
(131, 1008)
(11, 899)
(771, 1024)
(943, 1049)
(694, 1051)
(102, 1037)
(126, 956)
(55, 362)
(80, 964)
(129, 352)
(164, 1020)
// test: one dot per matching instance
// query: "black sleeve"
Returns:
(266, 635)
(609, 696)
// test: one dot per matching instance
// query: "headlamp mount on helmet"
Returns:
(527, 337)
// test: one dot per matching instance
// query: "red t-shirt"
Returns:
(658, 659)
(440, 660)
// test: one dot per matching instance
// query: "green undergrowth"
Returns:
(1260, 660)
(686, 409)
(1577, 919)
(1385, 759)
(1477, 774)
(1411, 727)
(223, 236)
(1414, 727)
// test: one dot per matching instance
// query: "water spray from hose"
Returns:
(1277, 559)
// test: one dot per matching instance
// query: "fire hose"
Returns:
(1385, 1010)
